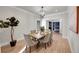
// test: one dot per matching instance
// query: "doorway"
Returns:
(56, 27)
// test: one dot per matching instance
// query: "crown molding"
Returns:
(57, 13)
(22, 10)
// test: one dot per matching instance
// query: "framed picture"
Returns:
(77, 22)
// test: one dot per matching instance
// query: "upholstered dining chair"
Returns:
(45, 40)
(50, 38)
(33, 31)
(29, 42)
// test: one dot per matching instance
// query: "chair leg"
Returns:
(26, 47)
(45, 45)
(50, 42)
(29, 49)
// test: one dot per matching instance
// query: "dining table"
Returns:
(38, 36)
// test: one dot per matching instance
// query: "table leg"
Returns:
(38, 44)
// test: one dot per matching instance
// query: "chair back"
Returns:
(47, 37)
(27, 39)
(50, 35)
(33, 31)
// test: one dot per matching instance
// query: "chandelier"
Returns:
(42, 12)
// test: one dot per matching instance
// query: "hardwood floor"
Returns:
(16, 49)
(59, 45)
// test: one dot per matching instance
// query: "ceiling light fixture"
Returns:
(42, 12)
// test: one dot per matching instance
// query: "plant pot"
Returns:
(13, 43)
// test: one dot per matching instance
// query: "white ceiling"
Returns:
(48, 9)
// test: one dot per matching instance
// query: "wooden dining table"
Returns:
(38, 36)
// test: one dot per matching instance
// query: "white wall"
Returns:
(73, 39)
(70, 22)
(27, 23)
(70, 29)
(72, 18)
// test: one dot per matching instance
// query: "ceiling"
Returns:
(47, 9)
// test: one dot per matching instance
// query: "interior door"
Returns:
(56, 26)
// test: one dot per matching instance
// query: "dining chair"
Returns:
(29, 42)
(50, 38)
(51, 34)
(33, 31)
(45, 40)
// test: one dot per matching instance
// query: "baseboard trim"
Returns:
(6, 43)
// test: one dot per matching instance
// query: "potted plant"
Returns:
(1, 24)
(12, 23)
(4, 24)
